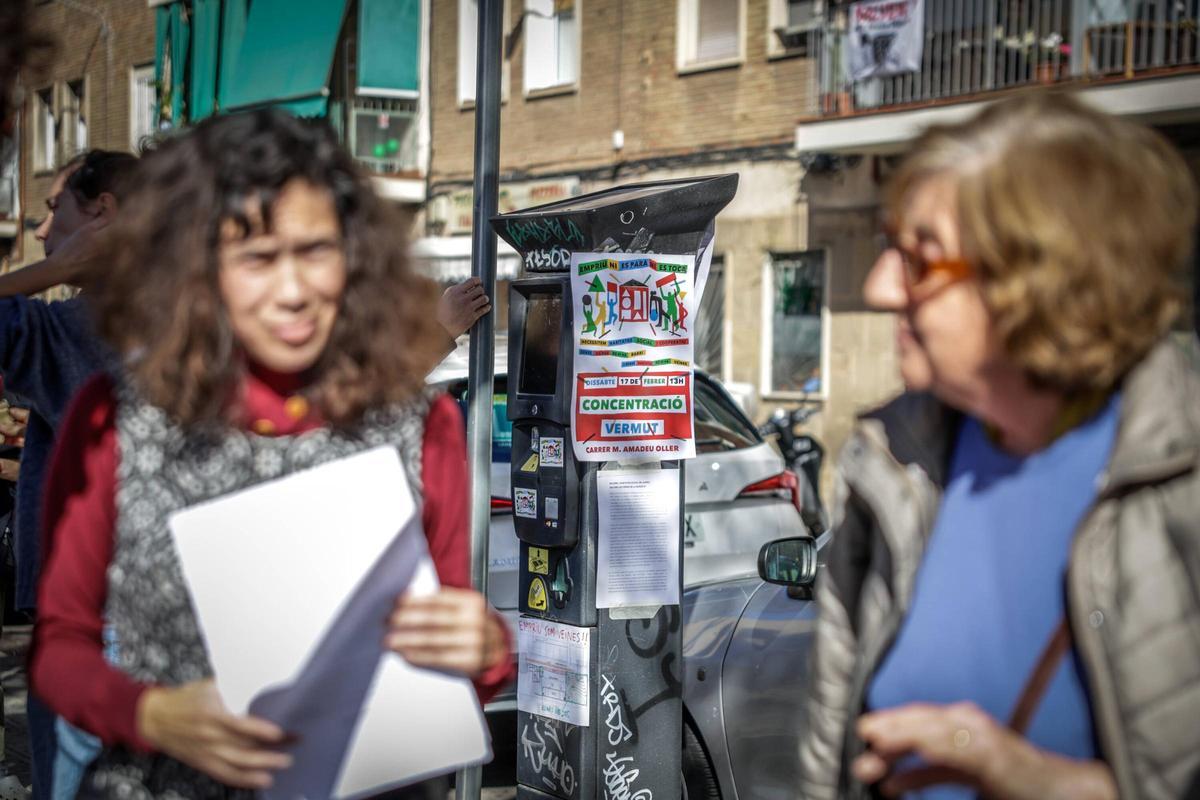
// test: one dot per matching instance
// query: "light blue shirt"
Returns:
(990, 589)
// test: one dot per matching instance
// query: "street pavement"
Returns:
(13, 645)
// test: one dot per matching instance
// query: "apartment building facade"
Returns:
(1135, 59)
(599, 92)
(603, 92)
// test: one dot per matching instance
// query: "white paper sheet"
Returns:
(637, 562)
(279, 571)
(553, 669)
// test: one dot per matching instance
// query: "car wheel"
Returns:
(699, 780)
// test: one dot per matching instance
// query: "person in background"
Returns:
(1010, 605)
(47, 351)
(270, 323)
(461, 306)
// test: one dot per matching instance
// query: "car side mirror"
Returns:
(790, 562)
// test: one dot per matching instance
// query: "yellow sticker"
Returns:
(531, 463)
(539, 560)
(537, 595)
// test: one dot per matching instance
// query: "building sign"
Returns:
(512, 197)
(886, 38)
(634, 316)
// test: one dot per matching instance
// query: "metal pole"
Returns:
(483, 341)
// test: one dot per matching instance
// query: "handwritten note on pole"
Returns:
(553, 669)
(638, 559)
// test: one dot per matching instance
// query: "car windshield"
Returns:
(501, 427)
(720, 425)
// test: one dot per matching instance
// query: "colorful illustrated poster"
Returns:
(634, 316)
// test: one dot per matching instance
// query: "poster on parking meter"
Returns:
(634, 316)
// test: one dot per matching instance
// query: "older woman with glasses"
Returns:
(1010, 606)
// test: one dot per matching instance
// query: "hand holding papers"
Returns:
(292, 590)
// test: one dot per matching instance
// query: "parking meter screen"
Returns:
(539, 360)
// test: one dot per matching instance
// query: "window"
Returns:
(141, 105)
(45, 131)
(468, 44)
(709, 340)
(74, 119)
(710, 32)
(551, 44)
(796, 286)
(10, 173)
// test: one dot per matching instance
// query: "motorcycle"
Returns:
(803, 455)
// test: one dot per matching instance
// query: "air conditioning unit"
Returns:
(804, 20)
(384, 135)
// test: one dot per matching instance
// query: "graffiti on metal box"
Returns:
(543, 746)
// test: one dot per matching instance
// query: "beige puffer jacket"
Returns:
(1133, 581)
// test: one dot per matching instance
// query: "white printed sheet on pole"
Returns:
(637, 563)
(632, 390)
(553, 669)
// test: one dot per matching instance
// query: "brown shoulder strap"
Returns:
(1039, 680)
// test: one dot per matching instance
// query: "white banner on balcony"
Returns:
(886, 37)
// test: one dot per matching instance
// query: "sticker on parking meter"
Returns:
(551, 451)
(525, 503)
(537, 595)
(539, 560)
(632, 390)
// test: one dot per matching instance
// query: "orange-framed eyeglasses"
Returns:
(925, 276)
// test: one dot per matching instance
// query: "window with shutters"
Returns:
(142, 101)
(468, 47)
(45, 131)
(551, 44)
(75, 119)
(711, 33)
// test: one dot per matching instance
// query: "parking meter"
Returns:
(545, 476)
(615, 724)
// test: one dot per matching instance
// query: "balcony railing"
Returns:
(382, 135)
(976, 46)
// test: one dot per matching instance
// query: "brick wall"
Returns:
(628, 81)
(104, 62)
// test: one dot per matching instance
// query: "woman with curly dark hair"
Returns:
(260, 295)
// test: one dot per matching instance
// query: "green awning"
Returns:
(233, 31)
(389, 48)
(285, 56)
(206, 40)
(171, 41)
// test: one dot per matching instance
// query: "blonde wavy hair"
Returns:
(1078, 225)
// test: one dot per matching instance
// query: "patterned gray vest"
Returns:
(161, 468)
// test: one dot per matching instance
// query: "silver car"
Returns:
(745, 655)
(738, 497)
